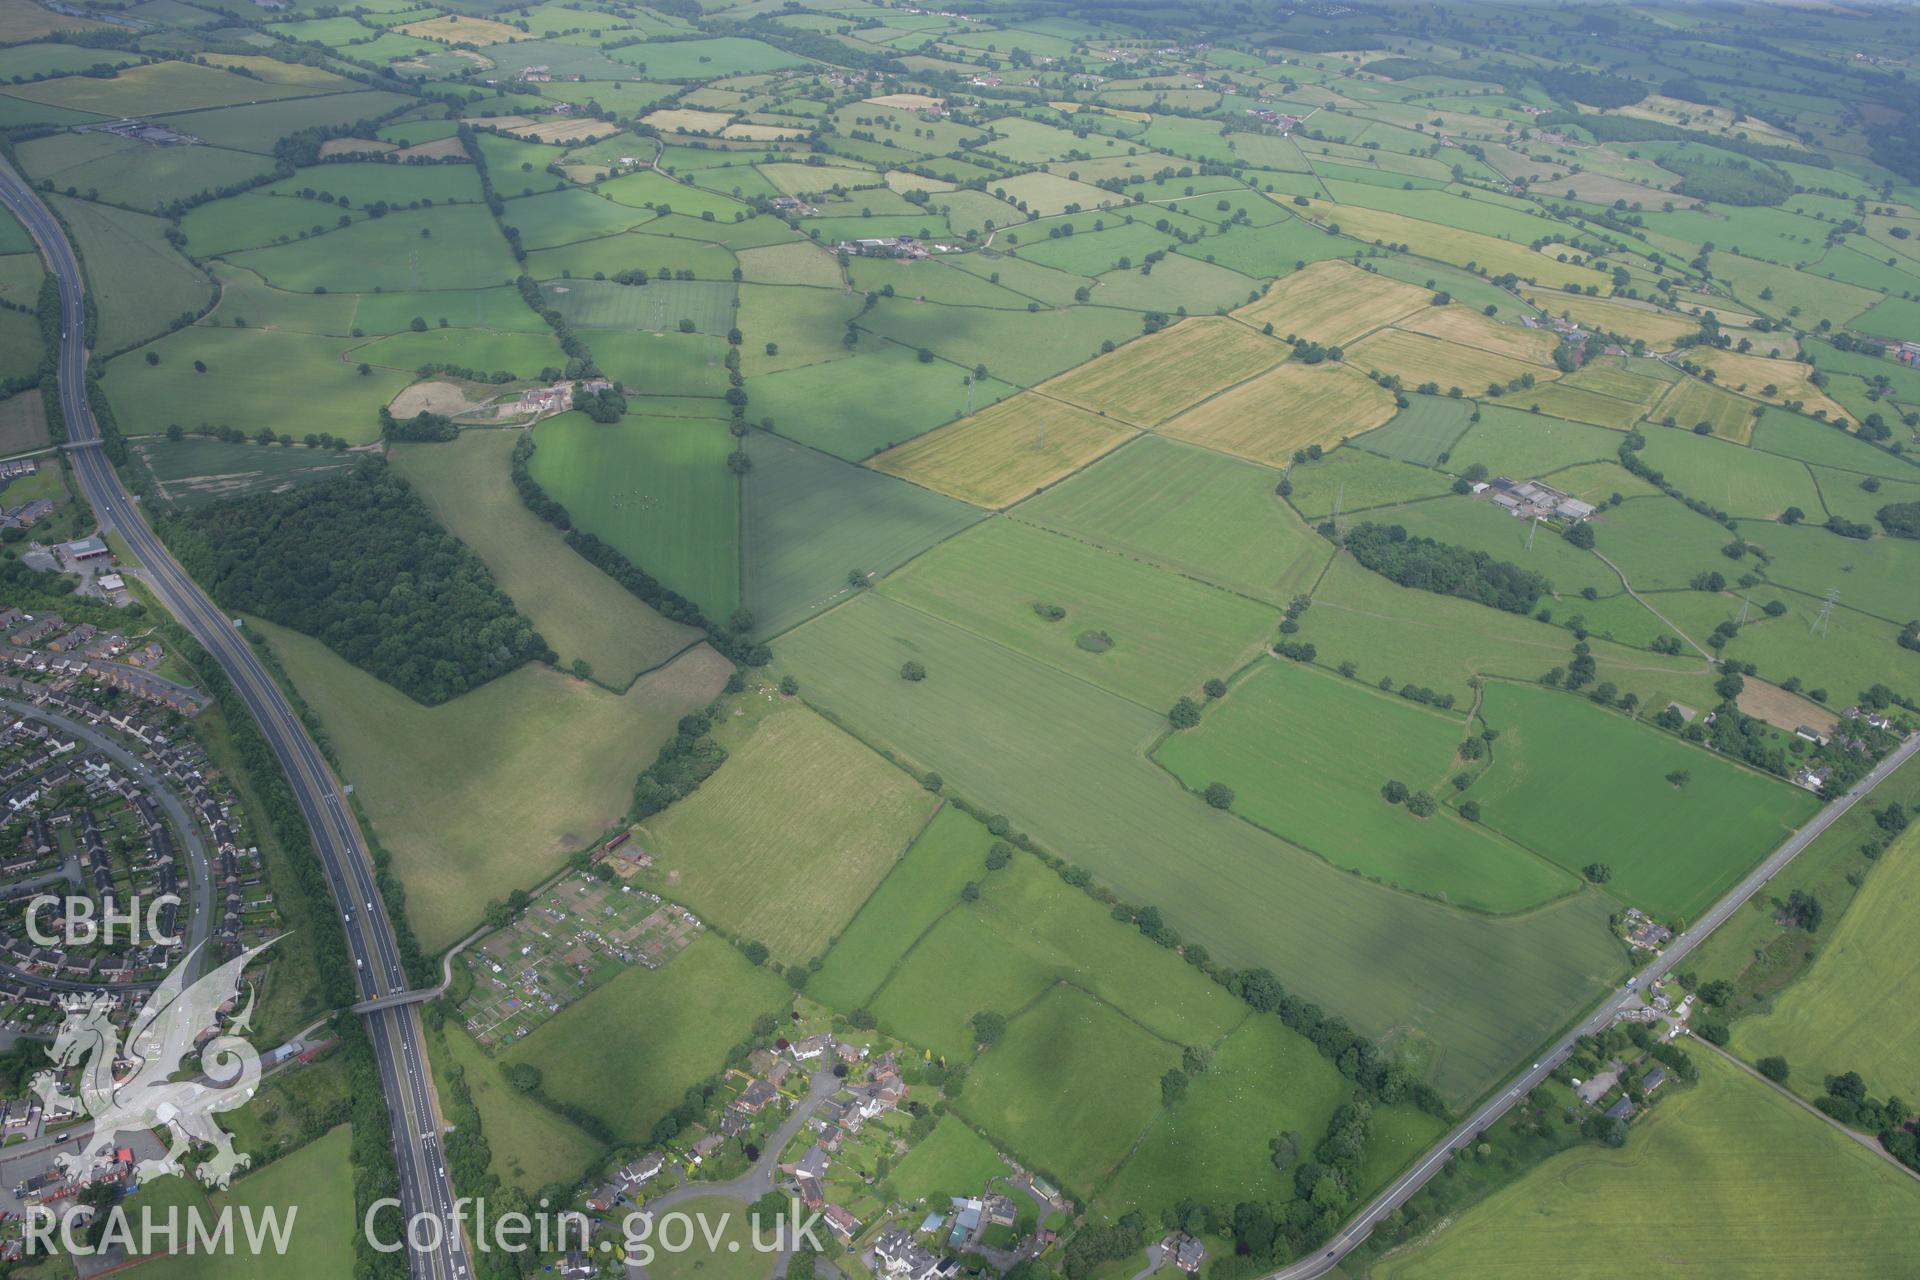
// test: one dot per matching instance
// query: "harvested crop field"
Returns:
(1416, 359)
(1154, 377)
(1289, 408)
(1471, 329)
(1006, 452)
(1333, 303)
(1692, 401)
(791, 836)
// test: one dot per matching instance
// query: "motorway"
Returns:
(1403, 1187)
(398, 1046)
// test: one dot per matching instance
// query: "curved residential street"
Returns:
(199, 868)
(758, 1180)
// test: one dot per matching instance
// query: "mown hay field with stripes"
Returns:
(1333, 303)
(1288, 408)
(1005, 452)
(1155, 377)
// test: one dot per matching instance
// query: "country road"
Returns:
(425, 1190)
(1402, 1188)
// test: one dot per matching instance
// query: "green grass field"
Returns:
(140, 283)
(1165, 634)
(465, 250)
(1662, 545)
(1767, 1191)
(1847, 654)
(296, 382)
(852, 407)
(1743, 482)
(788, 839)
(1064, 761)
(953, 1160)
(811, 520)
(1359, 481)
(1579, 785)
(1520, 445)
(1190, 510)
(1839, 1016)
(198, 470)
(1020, 347)
(1411, 636)
(1818, 442)
(1341, 742)
(581, 612)
(1880, 576)
(532, 1145)
(489, 792)
(524, 355)
(1028, 931)
(1074, 1135)
(1213, 1145)
(727, 1254)
(920, 888)
(658, 490)
(1422, 433)
(313, 1188)
(628, 1051)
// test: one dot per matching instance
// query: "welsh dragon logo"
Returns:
(142, 1094)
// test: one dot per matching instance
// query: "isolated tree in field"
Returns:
(755, 952)
(1173, 1087)
(1774, 1068)
(856, 578)
(988, 1027)
(1580, 535)
(1597, 872)
(1680, 777)
(524, 1076)
(1422, 805)
(912, 672)
(1219, 795)
(1185, 714)
(175, 432)
(1470, 810)
(366, 370)
(789, 685)
(1394, 792)
(153, 357)
(1215, 688)
(199, 366)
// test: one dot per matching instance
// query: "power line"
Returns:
(1819, 627)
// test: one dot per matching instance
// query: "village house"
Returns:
(756, 1097)
(810, 1049)
(842, 1223)
(1645, 932)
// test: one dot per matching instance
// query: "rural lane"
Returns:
(1402, 1188)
